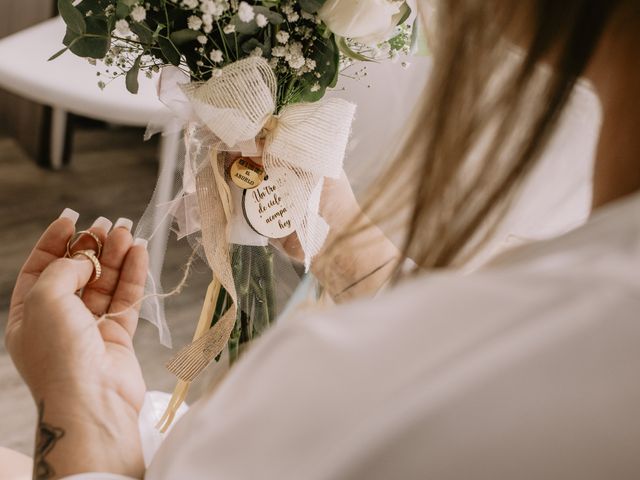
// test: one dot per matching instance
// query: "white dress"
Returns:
(528, 369)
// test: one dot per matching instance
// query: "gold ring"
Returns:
(90, 254)
(73, 240)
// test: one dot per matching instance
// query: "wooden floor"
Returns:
(112, 174)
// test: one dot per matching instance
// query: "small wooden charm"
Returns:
(246, 173)
(265, 212)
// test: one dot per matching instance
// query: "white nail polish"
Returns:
(102, 223)
(70, 214)
(140, 242)
(123, 223)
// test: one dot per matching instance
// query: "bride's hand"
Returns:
(361, 263)
(83, 374)
(338, 207)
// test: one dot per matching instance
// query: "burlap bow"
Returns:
(303, 143)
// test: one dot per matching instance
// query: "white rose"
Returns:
(365, 21)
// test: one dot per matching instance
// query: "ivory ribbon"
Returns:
(303, 143)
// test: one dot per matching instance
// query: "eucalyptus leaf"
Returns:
(404, 13)
(169, 51)
(273, 17)
(253, 43)
(144, 33)
(245, 28)
(251, 28)
(419, 41)
(92, 44)
(86, 6)
(122, 10)
(327, 58)
(131, 79)
(72, 17)
(311, 6)
(186, 35)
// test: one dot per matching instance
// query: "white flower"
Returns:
(207, 22)
(365, 21)
(216, 56)
(190, 3)
(315, 87)
(296, 62)
(256, 52)
(208, 7)
(229, 29)
(202, 39)
(245, 12)
(261, 20)
(194, 22)
(278, 51)
(138, 14)
(122, 28)
(282, 36)
(294, 56)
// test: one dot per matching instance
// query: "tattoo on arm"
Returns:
(46, 438)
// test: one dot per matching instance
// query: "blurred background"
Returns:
(65, 143)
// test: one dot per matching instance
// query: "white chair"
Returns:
(68, 84)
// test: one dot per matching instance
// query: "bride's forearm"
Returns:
(358, 265)
(81, 435)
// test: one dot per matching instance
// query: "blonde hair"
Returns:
(484, 120)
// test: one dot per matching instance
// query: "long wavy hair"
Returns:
(489, 108)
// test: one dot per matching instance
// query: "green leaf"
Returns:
(348, 52)
(419, 43)
(94, 43)
(245, 28)
(311, 6)
(72, 17)
(251, 28)
(123, 8)
(327, 58)
(57, 54)
(144, 33)
(169, 51)
(132, 77)
(273, 17)
(253, 43)
(186, 35)
(403, 15)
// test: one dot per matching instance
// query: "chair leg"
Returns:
(58, 137)
(169, 147)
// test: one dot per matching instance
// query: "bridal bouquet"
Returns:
(247, 78)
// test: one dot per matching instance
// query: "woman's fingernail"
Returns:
(102, 223)
(70, 214)
(123, 223)
(140, 242)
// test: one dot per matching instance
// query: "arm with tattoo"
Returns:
(46, 438)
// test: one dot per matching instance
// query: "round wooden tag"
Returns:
(264, 211)
(246, 174)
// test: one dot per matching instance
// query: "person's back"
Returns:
(527, 370)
